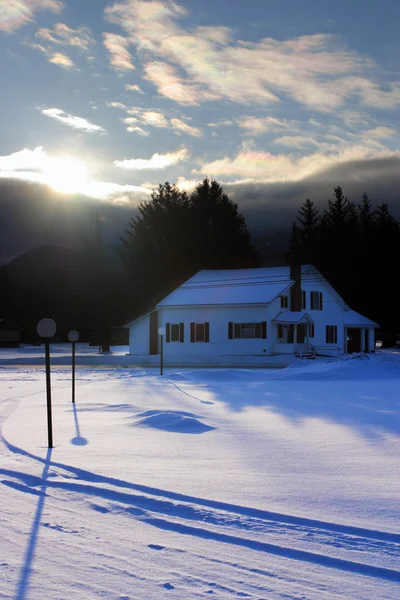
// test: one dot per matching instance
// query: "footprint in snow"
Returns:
(168, 586)
(156, 547)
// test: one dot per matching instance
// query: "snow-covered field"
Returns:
(230, 483)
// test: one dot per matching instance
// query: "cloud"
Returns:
(33, 166)
(16, 13)
(71, 120)
(134, 88)
(153, 118)
(296, 141)
(117, 105)
(174, 87)
(380, 133)
(250, 165)
(138, 130)
(259, 125)
(180, 125)
(157, 161)
(56, 58)
(65, 36)
(192, 65)
(223, 123)
(150, 117)
(61, 60)
(24, 160)
(117, 46)
(115, 193)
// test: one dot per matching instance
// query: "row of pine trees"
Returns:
(357, 248)
(175, 234)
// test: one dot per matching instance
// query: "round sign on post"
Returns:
(161, 331)
(73, 336)
(46, 328)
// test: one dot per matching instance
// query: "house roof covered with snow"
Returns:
(354, 319)
(292, 317)
(238, 286)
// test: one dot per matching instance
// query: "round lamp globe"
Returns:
(73, 336)
(46, 328)
(161, 331)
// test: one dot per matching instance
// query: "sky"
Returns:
(109, 98)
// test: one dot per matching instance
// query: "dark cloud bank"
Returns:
(33, 215)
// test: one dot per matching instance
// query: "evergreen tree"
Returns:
(222, 240)
(338, 210)
(366, 214)
(355, 248)
(174, 236)
(309, 220)
(386, 252)
(295, 253)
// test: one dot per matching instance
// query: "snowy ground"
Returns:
(272, 484)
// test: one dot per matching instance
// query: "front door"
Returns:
(153, 333)
(301, 333)
(353, 340)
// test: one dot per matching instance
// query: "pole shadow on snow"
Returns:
(143, 506)
(78, 440)
(26, 568)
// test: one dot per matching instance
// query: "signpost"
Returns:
(161, 333)
(46, 328)
(73, 337)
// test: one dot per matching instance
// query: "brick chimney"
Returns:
(295, 292)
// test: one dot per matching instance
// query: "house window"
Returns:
(311, 330)
(280, 332)
(199, 332)
(331, 334)
(303, 299)
(316, 300)
(174, 332)
(247, 330)
(284, 302)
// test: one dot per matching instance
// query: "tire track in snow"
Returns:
(144, 507)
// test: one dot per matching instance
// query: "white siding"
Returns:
(218, 317)
(139, 336)
(332, 313)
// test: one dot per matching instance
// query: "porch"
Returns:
(293, 333)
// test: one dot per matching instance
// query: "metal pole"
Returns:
(73, 372)
(161, 365)
(48, 389)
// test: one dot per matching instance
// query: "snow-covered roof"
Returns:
(354, 319)
(292, 317)
(236, 286)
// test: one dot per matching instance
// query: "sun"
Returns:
(66, 175)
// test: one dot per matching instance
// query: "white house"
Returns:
(252, 312)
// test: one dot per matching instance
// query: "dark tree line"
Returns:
(176, 234)
(357, 248)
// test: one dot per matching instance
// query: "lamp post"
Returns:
(73, 337)
(46, 328)
(161, 333)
